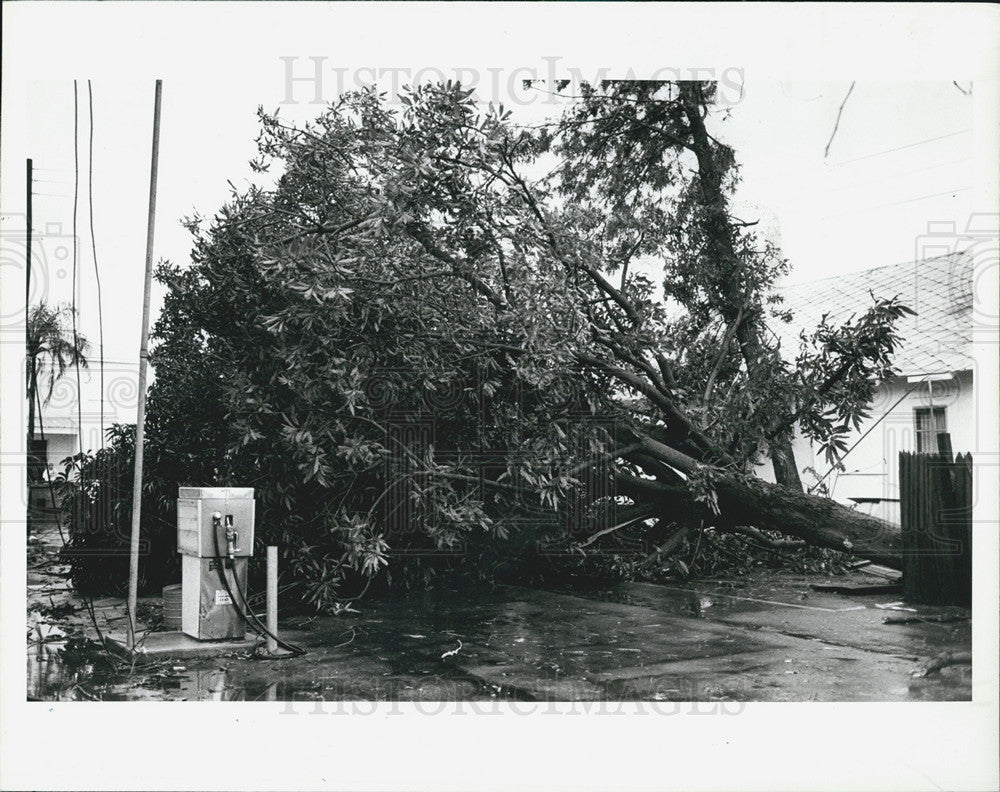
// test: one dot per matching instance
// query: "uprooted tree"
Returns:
(438, 328)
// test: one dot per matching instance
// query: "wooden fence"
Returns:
(935, 502)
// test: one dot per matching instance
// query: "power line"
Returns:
(29, 167)
(76, 199)
(905, 146)
(898, 174)
(954, 191)
(862, 186)
(121, 362)
(93, 244)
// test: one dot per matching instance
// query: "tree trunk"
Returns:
(817, 520)
(786, 472)
(32, 388)
(30, 461)
(721, 244)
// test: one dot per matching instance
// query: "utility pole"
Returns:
(29, 456)
(140, 423)
(27, 247)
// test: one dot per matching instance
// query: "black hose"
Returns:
(255, 623)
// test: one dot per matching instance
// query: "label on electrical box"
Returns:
(222, 597)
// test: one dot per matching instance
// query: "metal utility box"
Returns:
(195, 507)
(207, 611)
(215, 538)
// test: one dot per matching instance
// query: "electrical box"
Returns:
(207, 606)
(195, 507)
(215, 539)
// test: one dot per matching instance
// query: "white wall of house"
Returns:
(871, 469)
(66, 426)
(58, 447)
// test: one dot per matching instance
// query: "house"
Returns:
(932, 393)
(62, 425)
(56, 437)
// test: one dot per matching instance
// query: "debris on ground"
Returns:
(944, 660)
(896, 606)
(946, 618)
(884, 588)
(453, 651)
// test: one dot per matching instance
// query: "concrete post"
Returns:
(272, 598)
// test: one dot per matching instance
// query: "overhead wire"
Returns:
(843, 456)
(952, 192)
(76, 358)
(904, 146)
(76, 200)
(253, 619)
(896, 175)
(93, 245)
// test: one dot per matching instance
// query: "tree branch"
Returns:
(721, 356)
(324, 229)
(836, 124)
(599, 280)
(423, 238)
(632, 380)
(774, 544)
(640, 513)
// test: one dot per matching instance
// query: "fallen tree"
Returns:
(743, 501)
(409, 342)
(724, 271)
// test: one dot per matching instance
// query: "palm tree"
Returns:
(53, 345)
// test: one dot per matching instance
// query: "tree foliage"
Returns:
(52, 345)
(423, 337)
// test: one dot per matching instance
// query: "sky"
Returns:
(902, 157)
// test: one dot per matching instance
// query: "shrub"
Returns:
(95, 493)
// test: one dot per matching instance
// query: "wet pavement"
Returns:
(768, 638)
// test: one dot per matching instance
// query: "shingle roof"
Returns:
(938, 339)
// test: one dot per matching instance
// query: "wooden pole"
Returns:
(272, 599)
(140, 422)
